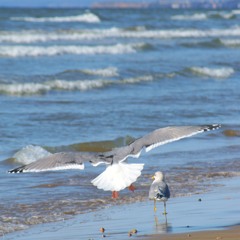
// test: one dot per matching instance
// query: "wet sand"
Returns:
(200, 216)
(232, 233)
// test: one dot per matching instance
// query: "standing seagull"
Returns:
(118, 174)
(159, 190)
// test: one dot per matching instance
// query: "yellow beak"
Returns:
(153, 177)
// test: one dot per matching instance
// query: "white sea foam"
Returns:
(226, 15)
(236, 11)
(31, 36)
(105, 72)
(213, 72)
(231, 42)
(194, 33)
(23, 51)
(222, 14)
(77, 35)
(204, 16)
(196, 16)
(28, 36)
(30, 154)
(64, 85)
(38, 88)
(77, 85)
(146, 78)
(86, 17)
(24, 88)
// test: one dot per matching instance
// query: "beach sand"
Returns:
(232, 233)
(200, 216)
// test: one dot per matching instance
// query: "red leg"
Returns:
(115, 194)
(132, 188)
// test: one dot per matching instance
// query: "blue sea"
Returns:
(91, 80)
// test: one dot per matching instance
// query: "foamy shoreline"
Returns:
(215, 210)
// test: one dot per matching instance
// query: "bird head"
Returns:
(159, 176)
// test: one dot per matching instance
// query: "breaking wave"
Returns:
(30, 154)
(213, 43)
(231, 42)
(138, 79)
(212, 72)
(196, 16)
(33, 88)
(40, 88)
(204, 16)
(23, 51)
(64, 85)
(86, 17)
(105, 72)
(236, 11)
(222, 15)
(32, 36)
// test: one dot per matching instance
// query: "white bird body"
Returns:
(118, 174)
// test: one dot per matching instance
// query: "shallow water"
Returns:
(203, 212)
(71, 79)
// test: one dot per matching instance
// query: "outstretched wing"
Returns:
(158, 137)
(60, 161)
(170, 134)
(75, 160)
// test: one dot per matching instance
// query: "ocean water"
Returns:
(91, 80)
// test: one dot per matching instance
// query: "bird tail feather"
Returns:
(118, 176)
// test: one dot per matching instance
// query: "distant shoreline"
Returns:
(123, 4)
(171, 4)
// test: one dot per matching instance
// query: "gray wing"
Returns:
(74, 160)
(158, 137)
(163, 191)
(61, 161)
(159, 191)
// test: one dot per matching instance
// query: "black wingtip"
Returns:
(17, 170)
(212, 127)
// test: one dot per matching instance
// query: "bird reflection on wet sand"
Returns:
(162, 227)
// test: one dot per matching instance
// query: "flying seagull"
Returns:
(118, 174)
(159, 190)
